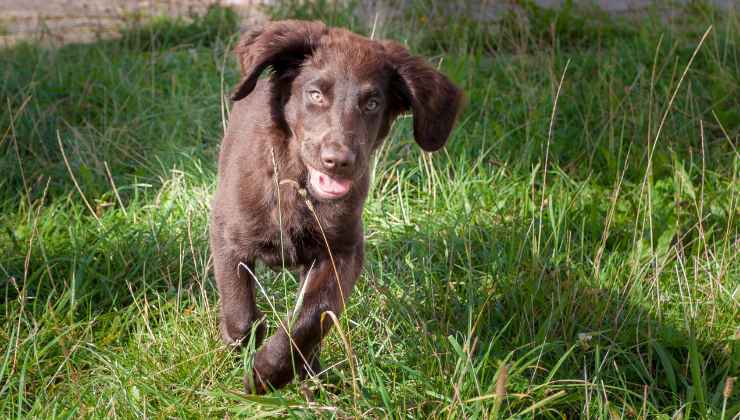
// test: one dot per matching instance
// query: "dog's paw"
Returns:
(312, 369)
(255, 384)
(269, 372)
(239, 336)
(272, 370)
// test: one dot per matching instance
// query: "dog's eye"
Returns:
(316, 96)
(372, 105)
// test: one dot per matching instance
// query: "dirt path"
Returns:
(60, 21)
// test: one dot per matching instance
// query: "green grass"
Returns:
(570, 261)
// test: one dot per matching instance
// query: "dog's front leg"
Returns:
(238, 309)
(285, 355)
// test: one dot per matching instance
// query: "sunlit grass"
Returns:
(551, 261)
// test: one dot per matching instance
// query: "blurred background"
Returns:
(87, 20)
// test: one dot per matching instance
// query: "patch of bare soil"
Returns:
(64, 21)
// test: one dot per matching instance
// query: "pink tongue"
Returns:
(327, 184)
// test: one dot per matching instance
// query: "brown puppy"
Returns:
(295, 161)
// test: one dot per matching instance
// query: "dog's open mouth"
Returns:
(326, 186)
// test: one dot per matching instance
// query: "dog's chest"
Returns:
(296, 230)
(291, 234)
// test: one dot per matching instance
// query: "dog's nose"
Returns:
(334, 157)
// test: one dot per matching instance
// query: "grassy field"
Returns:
(573, 252)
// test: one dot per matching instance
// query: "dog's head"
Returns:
(338, 93)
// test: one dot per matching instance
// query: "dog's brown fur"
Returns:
(316, 103)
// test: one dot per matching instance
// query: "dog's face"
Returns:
(338, 109)
(337, 94)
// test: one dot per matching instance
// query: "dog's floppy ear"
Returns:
(434, 100)
(281, 45)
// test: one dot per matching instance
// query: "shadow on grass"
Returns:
(607, 342)
(138, 120)
(142, 105)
